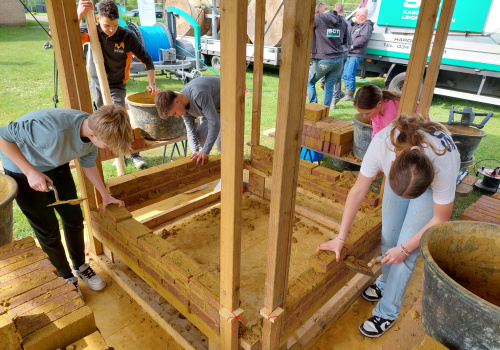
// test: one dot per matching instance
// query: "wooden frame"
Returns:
(297, 33)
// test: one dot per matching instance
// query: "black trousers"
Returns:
(44, 222)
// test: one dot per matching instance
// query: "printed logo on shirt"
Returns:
(333, 33)
(120, 48)
(446, 140)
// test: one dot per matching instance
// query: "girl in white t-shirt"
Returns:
(421, 163)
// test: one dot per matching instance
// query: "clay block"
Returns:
(315, 132)
(314, 143)
(342, 135)
(49, 312)
(306, 166)
(314, 111)
(34, 293)
(15, 251)
(342, 149)
(206, 318)
(327, 174)
(10, 337)
(154, 245)
(207, 287)
(371, 199)
(94, 341)
(332, 148)
(116, 214)
(326, 147)
(63, 331)
(27, 282)
(496, 195)
(17, 261)
(182, 263)
(133, 229)
(46, 297)
(182, 297)
(323, 261)
(264, 167)
(24, 270)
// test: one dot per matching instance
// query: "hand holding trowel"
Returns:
(69, 201)
(360, 266)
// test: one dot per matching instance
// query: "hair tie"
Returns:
(415, 147)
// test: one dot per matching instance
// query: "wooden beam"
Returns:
(233, 67)
(418, 56)
(181, 209)
(298, 22)
(436, 56)
(258, 66)
(318, 217)
(68, 51)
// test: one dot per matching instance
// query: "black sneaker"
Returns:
(375, 326)
(74, 280)
(373, 293)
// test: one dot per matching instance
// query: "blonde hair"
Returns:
(412, 172)
(111, 125)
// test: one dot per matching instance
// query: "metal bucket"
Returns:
(461, 293)
(8, 192)
(467, 139)
(362, 135)
(143, 113)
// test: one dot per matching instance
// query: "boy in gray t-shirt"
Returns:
(199, 98)
(35, 151)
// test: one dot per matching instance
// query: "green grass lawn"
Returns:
(27, 84)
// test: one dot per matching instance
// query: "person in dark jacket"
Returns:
(330, 34)
(118, 46)
(337, 88)
(360, 34)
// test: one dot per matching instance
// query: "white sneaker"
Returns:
(91, 279)
(138, 161)
(74, 280)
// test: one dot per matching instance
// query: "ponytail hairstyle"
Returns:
(412, 172)
(368, 96)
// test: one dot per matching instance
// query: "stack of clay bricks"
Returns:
(38, 309)
(323, 181)
(486, 209)
(187, 285)
(325, 134)
(163, 181)
(326, 276)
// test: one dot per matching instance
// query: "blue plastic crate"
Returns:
(309, 155)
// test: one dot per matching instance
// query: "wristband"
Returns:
(403, 249)
(153, 84)
(340, 239)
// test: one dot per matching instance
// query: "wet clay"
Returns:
(474, 263)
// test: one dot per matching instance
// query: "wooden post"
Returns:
(436, 56)
(233, 64)
(418, 56)
(258, 66)
(298, 22)
(74, 85)
(95, 46)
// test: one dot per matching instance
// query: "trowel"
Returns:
(69, 201)
(360, 266)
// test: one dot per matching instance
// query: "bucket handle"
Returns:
(468, 116)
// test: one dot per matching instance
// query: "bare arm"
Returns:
(95, 178)
(152, 85)
(83, 7)
(36, 179)
(352, 204)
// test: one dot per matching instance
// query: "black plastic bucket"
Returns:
(8, 192)
(467, 139)
(362, 135)
(461, 293)
(145, 116)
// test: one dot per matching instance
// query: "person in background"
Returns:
(337, 88)
(329, 38)
(361, 31)
(36, 150)
(380, 106)
(199, 98)
(421, 163)
(118, 45)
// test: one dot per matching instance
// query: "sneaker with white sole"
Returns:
(138, 161)
(91, 279)
(375, 326)
(74, 280)
(373, 293)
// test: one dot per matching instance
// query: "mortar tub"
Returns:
(467, 139)
(362, 135)
(145, 116)
(461, 289)
(8, 192)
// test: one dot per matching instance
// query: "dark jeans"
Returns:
(350, 69)
(330, 69)
(44, 222)
(337, 87)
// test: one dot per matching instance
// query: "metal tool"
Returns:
(461, 175)
(69, 201)
(360, 266)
